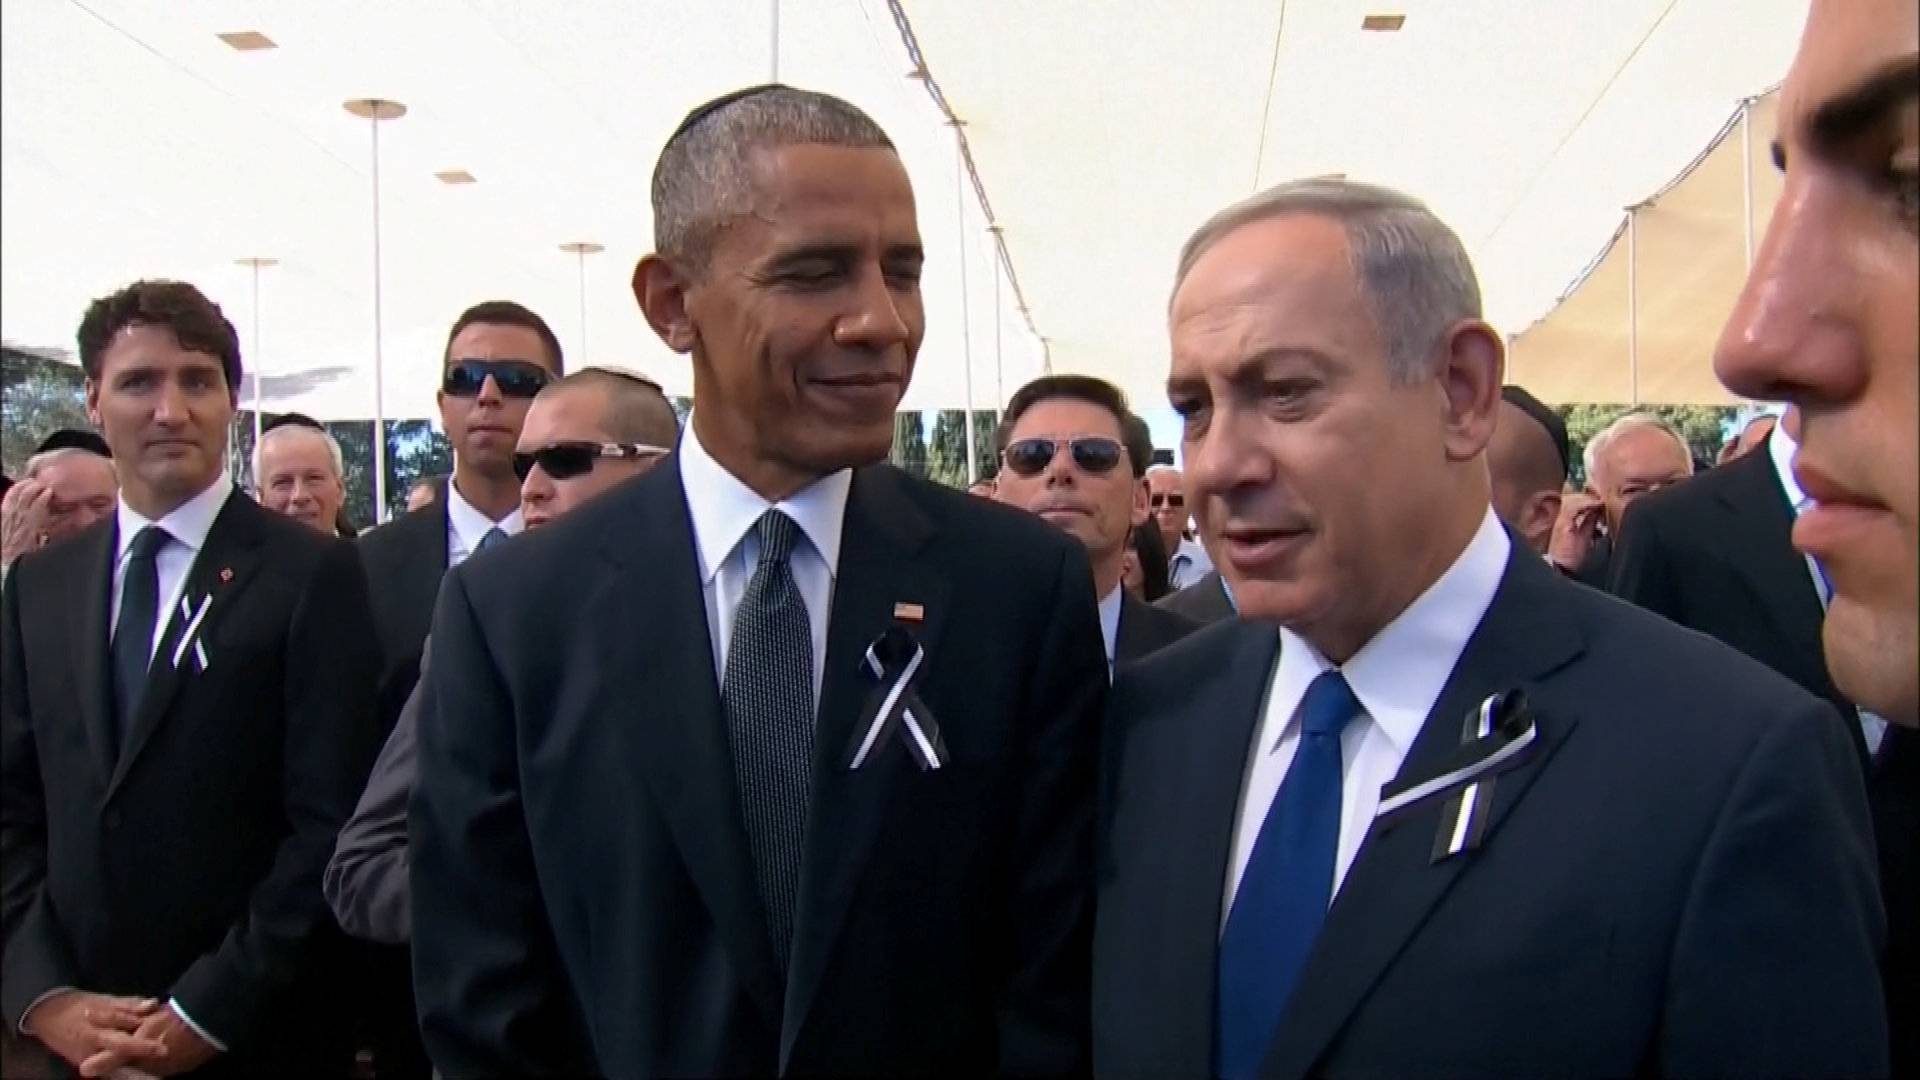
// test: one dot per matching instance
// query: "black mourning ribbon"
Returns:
(1495, 737)
(895, 707)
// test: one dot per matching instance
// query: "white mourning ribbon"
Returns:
(194, 619)
(1499, 750)
(898, 703)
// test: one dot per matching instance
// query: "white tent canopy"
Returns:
(138, 144)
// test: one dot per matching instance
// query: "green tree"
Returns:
(1704, 427)
(947, 452)
(38, 395)
(910, 443)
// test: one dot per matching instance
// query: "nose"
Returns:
(875, 321)
(170, 406)
(1789, 337)
(1224, 457)
(537, 488)
(1061, 471)
(489, 392)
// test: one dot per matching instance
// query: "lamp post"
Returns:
(373, 111)
(580, 249)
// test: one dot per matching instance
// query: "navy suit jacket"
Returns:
(583, 897)
(1678, 880)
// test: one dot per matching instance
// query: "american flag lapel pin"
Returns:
(909, 613)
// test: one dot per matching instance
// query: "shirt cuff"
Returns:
(41, 1000)
(174, 1004)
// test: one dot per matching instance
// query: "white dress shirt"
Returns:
(1188, 564)
(187, 528)
(1397, 677)
(724, 512)
(1781, 447)
(467, 526)
(1110, 623)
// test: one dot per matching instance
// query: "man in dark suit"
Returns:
(776, 760)
(1827, 324)
(187, 714)
(1715, 554)
(1204, 601)
(584, 435)
(1634, 456)
(499, 355)
(1454, 815)
(1074, 454)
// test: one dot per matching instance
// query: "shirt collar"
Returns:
(188, 524)
(1781, 448)
(1110, 619)
(723, 509)
(1399, 674)
(471, 526)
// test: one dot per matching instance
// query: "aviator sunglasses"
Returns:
(1092, 453)
(515, 378)
(566, 460)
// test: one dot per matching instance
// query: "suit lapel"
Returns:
(680, 738)
(91, 638)
(1393, 886)
(229, 556)
(1210, 759)
(1778, 574)
(884, 531)
(1131, 637)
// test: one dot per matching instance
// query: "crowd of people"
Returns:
(1357, 745)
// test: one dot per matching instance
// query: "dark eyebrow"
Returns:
(1842, 118)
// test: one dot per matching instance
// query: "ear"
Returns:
(1471, 365)
(1537, 519)
(93, 404)
(1142, 502)
(661, 289)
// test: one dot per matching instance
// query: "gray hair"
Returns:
(636, 409)
(1414, 269)
(1633, 421)
(333, 451)
(704, 174)
(38, 463)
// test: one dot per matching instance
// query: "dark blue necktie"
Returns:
(1286, 888)
(494, 536)
(133, 629)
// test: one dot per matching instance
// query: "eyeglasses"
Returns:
(1092, 453)
(564, 461)
(1168, 499)
(515, 378)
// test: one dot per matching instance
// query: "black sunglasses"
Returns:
(1169, 498)
(515, 378)
(1092, 453)
(564, 461)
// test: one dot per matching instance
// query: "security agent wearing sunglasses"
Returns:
(583, 436)
(498, 356)
(1073, 453)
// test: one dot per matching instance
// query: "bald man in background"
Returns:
(60, 493)
(1528, 461)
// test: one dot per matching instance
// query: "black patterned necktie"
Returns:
(767, 692)
(133, 629)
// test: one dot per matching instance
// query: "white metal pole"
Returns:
(999, 366)
(1633, 305)
(966, 318)
(773, 52)
(581, 255)
(379, 371)
(256, 356)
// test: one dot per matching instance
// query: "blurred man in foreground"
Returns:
(1828, 322)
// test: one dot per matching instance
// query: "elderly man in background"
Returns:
(1356, 832)
(1636, 454)
(298, 471)
(61, 492)
(1828, 323)
(1187, 560)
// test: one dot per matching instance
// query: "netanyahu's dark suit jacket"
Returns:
(186, 862)
(1676, 881)
(1204, 601)
(1146, 629)
(582, 892)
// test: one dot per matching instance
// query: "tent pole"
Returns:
(1746, 176)
(966, 317)
(1633, 305)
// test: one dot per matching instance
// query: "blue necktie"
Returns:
(1287, 886)
(494, 536)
